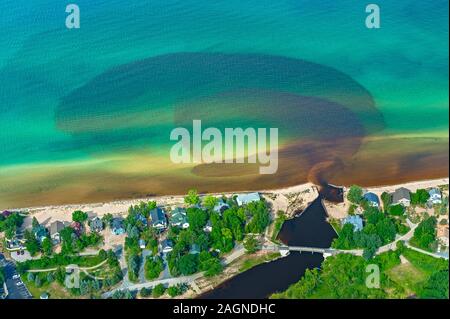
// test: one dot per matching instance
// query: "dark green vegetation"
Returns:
(227, 229)
(153, 267)
(420, 197)
(425, 234)
(158, 291)
(136, 226)
(79, 216)
(378, 230)
(10, 224)
(355, 194)
(344, 276)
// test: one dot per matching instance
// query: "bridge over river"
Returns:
(284, 250)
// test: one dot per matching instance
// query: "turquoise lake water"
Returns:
(53, 79)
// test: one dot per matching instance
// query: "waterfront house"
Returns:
(55, 231)
(178, 218)
(372, 199)
(355, 220)
(96, 224)
(208, 227)
(166, 246)
(435, 196)
(244, 199)
(117, 226)
(158, 218)
(401, 196)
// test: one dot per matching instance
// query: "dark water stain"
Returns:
(308, 229)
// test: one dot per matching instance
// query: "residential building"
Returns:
(117, 226)
(401, 196)
(96, 224)
(77, 228)
(372, 199)
(178, 218)
(166, 246)
(55, 231)
(435, 196)
(158, 218)
(355, 220)
(244, 199)
(221, 206)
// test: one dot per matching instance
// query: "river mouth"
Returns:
(311, 229)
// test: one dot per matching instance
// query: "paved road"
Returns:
(15, 291)
(435, 255)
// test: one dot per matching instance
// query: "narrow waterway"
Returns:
(309, 228)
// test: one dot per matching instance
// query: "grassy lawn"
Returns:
(278, 224)
(407, 276)
(55, 290)
(425, 263)
(58, 261)
(253, 261)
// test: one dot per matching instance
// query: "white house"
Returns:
(178, 218)
(158, 218)
(435, 196)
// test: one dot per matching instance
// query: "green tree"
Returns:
(153, 267)
(425, 234)
(386, 198)
(210, 201)
(79, 216)
(158, 291)
(436, 286)
(31, 244)
(251, 244)
(355, 194)
(420, 197)
(47, 247)
(34, 223)
(396, 210)
(145, 292)
(188, 264)
(192, 197)
(174, 291)
(197, 219)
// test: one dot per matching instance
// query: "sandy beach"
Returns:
(285, 199)
(339, 211)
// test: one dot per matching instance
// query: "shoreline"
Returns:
(284, 190)
(49, 213)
